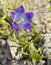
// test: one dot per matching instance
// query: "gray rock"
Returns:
(41, 62)
(46, 41)
(47, 50)
(5, 56)
(2, 43)
(25, 62)
(14, 49)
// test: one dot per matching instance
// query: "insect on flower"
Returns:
(21, 19)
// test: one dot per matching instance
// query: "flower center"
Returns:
(18, 19)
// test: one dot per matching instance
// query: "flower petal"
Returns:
(15, 27)
(12, 14)
(30, 15)
(28, 26)
(20, 9)
(17, 17)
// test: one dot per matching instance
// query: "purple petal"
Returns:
(15, 27)
(20, 9)
(29, 15)
(12, 14)
(28, 26)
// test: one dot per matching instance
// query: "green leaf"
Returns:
(3, 23)
(3, 17)
(4, 32)
(33, 30)
(41, 49)
(34, 61)
(37, 37)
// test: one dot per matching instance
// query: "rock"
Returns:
(47, 50)
(48, 26)
(13, 48)
(2, 43)
(5, 56)
(42, 62)
(40, 28)
(25, 62)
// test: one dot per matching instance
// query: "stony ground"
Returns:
(42, 17)
(42, 22)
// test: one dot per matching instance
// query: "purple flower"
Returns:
(21, 19)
